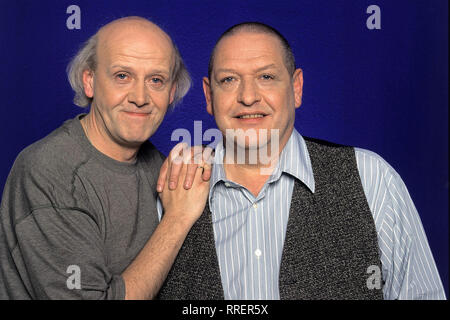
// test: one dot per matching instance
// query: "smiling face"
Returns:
(132, 84)
(251, 88)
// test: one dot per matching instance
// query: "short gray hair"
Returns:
(86, 59)
(257, 27)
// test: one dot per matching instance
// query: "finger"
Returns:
(198, 176)
(193, 159)
(208, 157)
(174, 174)
(199, 185)
(174, 158)
(191, 171)
(199, 153)
(177, 150)
(206, 175)
(162, 176)
(184, 168)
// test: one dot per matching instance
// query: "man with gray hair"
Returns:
(78, 213)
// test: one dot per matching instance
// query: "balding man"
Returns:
(78, 214)
(320, 221)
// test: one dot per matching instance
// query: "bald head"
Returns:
(132, 21)
(128, 37)
(126, 28)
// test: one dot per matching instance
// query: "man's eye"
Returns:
(227, 80)
(267, 77)
(121, 76)
(156, 82)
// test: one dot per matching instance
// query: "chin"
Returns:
(248, 145)
(135, 141)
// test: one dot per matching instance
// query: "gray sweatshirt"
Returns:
(72, 219)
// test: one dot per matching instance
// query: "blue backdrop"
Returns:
(385, 90)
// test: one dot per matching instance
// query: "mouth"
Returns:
(137, 114)
(252, 115)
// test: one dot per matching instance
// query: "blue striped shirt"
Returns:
(249, 231)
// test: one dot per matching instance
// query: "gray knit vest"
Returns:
(330, 243)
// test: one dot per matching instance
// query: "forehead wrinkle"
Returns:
(255, 64)
(126, 67)
(131, 69)
(235, 46)
(147, 65)
(127, 59)
(132, 48)
(258, 69)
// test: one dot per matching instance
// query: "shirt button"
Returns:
(258, 253)
(255, 205)
(227, 184)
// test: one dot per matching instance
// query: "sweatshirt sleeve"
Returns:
(48, 249)
(59, 251)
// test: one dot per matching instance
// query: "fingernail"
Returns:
(172, 185)
(158, 188)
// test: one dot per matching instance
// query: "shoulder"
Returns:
(323, 143)
(329, 157)
(327, 151)
(57, 152)
(43, 172)
(378, 176)
(387, 194)
(372, 165)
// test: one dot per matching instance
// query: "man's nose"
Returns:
(248, 92)
(138, 95)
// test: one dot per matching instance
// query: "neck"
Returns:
(103, 142)
(254, 171)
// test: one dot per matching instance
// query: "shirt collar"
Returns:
(294, 160)
(217, 172)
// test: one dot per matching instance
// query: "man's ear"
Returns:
(172, 92)
(208, 95)
(88, 83)
(298, 87)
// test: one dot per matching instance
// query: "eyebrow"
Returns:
(272, 65)
(126, 68)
